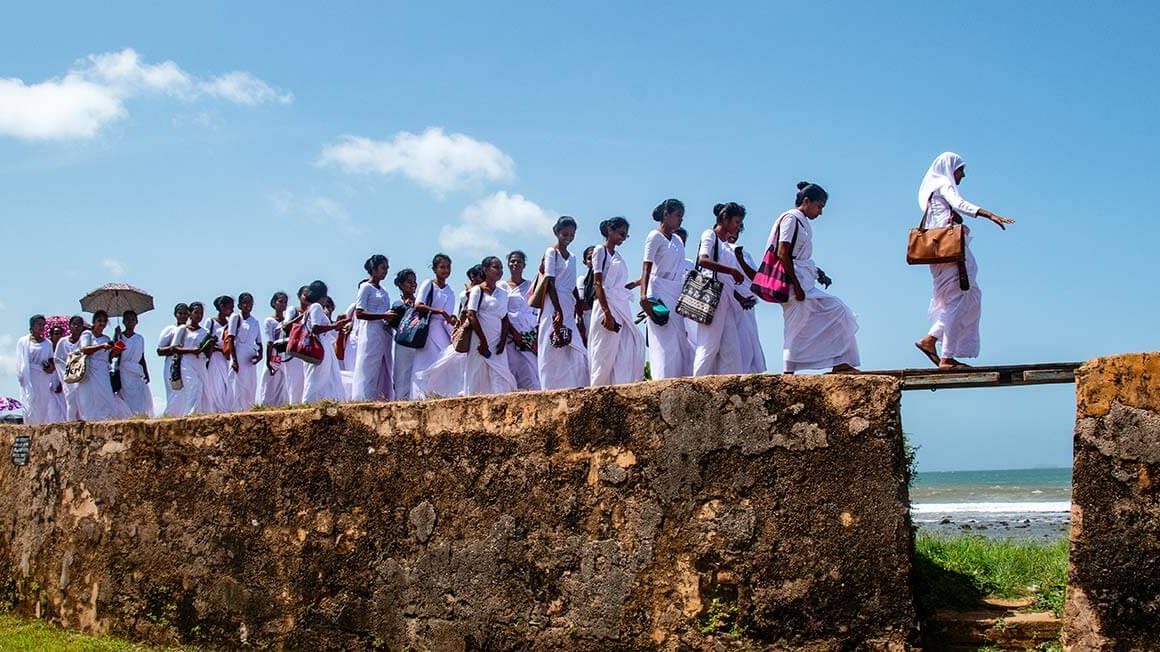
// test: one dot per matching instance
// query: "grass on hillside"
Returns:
(33, 635)
(956, 571)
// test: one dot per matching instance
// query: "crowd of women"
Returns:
(564, 331)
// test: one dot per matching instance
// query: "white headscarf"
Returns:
(940, 174)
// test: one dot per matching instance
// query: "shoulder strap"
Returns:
(431, 293)
(922, 222)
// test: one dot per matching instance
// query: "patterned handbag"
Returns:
(701, 292)
(414, 327)
(175, 380)
(76, 367)
(772, 280)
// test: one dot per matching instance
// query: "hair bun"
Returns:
(803, 184)
(717, 209)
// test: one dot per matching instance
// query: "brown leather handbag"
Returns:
(945, 244)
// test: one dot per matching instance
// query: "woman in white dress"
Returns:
(564, 366)
(245, 335)
(95, 397)
(670, 354)
(447, 375)
(819, 328)
(437, 297)
(36, 373)
(752, 355)
(373, 377)
(191, 398)
(954, 312)
(295, 368)
(65, 347)
(615, 346)
(521, 351)
(217, 382)
(485, 367)
(273, 390)
(718, 344)
(323, 380)
(165, 347)
(134, 372)
(406, 282)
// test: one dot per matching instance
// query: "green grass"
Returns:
(956, 571)
(29, 634)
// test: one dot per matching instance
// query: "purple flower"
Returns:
(8, 404)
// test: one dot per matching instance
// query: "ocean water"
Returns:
(1017, 502)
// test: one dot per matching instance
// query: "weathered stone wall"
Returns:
(1113, 595)
(767, 508)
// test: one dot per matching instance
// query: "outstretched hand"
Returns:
(1001, 221)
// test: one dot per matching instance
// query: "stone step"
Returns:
(995, 625)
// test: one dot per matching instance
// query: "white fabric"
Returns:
(295, 368)
(273, 388)
(614, 357)
(524, 319)
(217, 379)
(752, 355)
(372, 380)
(670, 351)
(488, 375)
(819, 332)
(63, 348)
(564, 367)
(954, 314)
(95, 398)
(134, 389)
(191, 398)
(323, 380)
(718, 344)
(446, 376)
(243, 385)
(438, 333)
(403, 372)
(164, 341)
(357, 326)
(37, 385)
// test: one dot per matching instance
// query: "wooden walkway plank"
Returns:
(1043, 373)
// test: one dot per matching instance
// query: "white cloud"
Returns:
(435, 160)
(93, 93)
(7, 355)
(482, 223)
(114, 267)
(322, 211)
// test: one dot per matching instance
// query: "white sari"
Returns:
(247, 343)
(438, 336)
(294, 368)
(95, 398)
(191, 398)
(564, 367)
(134, 388)
(273, 390)
(217, 378)
(446, 376)
(752, 355)
(37, 385)
(487, 375)
(63, 348)
(819, 332)
(373, 360)
(670, 352)
(718, 344)
(614, 357)
(323, 380)
(524, 319)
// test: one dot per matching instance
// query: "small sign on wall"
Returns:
(20, 447)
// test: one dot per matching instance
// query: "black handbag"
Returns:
(415, 325)
(701, 292)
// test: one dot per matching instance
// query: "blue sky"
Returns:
(226, 147)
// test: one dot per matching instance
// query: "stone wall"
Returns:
(770, 509)
(1113, 596)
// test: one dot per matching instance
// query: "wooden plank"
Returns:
(940, 381)
(1040, 373)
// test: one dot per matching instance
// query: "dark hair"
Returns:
(100, 313)
(401, 277)
(278, 295)
(667, 207)
(373, 262)
(519, 254)
(222, 301)
(810, 191)
(475, 271)
(125, 315)
(563, 222)
(302, 290)
(194, 305)
(727, 211)
(179, 307)
(437, 258)
(611, 224)
(683, 234)
(316, 291)
(32, 319)
(327, 302)
(75, 319)
(489, 261)
(587, 251)
(246, 296)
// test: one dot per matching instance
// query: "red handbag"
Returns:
(304, 345)
(772, 281)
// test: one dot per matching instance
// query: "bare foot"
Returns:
(927, 346)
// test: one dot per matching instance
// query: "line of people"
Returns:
(500, 335)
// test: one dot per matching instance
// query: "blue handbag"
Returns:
(414, 326)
